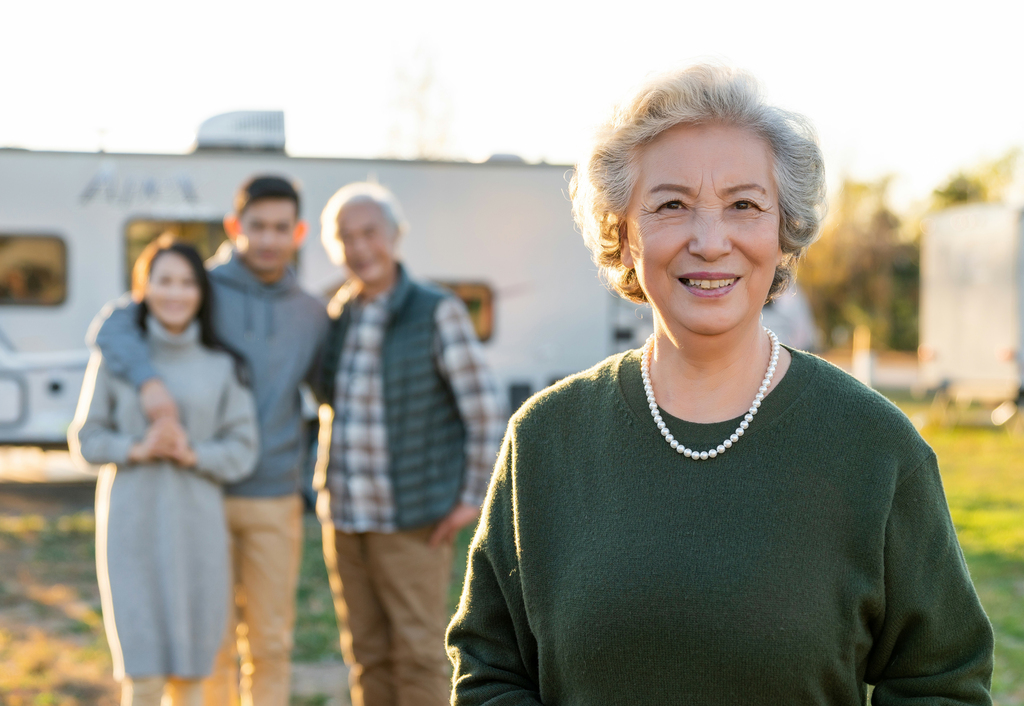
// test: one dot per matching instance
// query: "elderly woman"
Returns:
(713, 519)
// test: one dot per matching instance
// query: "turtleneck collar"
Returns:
(187, 338)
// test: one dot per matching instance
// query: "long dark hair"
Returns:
(140, 277)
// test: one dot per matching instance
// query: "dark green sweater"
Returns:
(815, 556)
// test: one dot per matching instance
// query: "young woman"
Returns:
(161, 540)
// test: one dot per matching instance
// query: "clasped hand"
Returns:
(165, 438)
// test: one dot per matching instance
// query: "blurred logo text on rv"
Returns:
(110, 187)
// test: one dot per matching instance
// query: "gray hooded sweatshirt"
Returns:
(277, 328)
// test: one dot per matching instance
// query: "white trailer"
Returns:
(972, 302)
(500, 232)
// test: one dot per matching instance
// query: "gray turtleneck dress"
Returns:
(161, 537)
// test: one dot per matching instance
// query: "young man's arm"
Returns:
(115, 333)
(315, 370)
(461, 360)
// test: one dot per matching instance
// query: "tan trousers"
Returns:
(149, 691)
(390, 592)
(265, 540)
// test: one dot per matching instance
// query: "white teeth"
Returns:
(709, 283)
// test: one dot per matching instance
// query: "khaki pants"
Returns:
(265, 541)
(149, 691)
(390, 592)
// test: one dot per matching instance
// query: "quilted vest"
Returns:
(426, 436)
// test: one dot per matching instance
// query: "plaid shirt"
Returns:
(357, 472)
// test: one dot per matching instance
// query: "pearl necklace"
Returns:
(645, 367)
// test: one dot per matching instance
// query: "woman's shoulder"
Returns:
(837, 399)
(100, 371)
(583, 394)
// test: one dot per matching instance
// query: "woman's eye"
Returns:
(673, 205)
(745, 205)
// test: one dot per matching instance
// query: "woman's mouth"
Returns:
(708, 286)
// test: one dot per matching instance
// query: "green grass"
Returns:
(52, 646)
(983, 474)
(316, 630)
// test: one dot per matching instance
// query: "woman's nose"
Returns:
(710, 239)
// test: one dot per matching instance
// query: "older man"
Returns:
(412, 422)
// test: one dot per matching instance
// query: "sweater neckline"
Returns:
(703, 436)
(189, 338)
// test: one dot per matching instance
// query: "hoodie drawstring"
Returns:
(269, 303)
(268, 314)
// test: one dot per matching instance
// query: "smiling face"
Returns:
(267, 235)
(172, 292)
(369, 243)
(702, 228)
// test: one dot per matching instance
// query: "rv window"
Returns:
(204, 236)
(33, 270)
(479, 299)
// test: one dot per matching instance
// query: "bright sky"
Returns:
(912, 89)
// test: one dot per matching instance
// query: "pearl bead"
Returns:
(645, 369)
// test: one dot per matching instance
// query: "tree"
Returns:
(864, 270)
(423, 112)
(985, 182)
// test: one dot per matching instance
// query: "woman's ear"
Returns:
(625, 254)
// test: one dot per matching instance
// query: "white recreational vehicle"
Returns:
(500, 233)
(972, 302)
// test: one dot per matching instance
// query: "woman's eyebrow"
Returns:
(689, 191)
(745, 187)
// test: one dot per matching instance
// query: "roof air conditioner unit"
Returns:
(248, 130)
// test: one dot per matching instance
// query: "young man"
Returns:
(261, 312)
(412, 423)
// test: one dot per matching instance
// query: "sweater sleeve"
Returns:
(935, 643)
(492, 650)
(93, 436)
(116, 335)
(231, 453)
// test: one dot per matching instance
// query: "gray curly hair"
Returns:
(603, 182)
